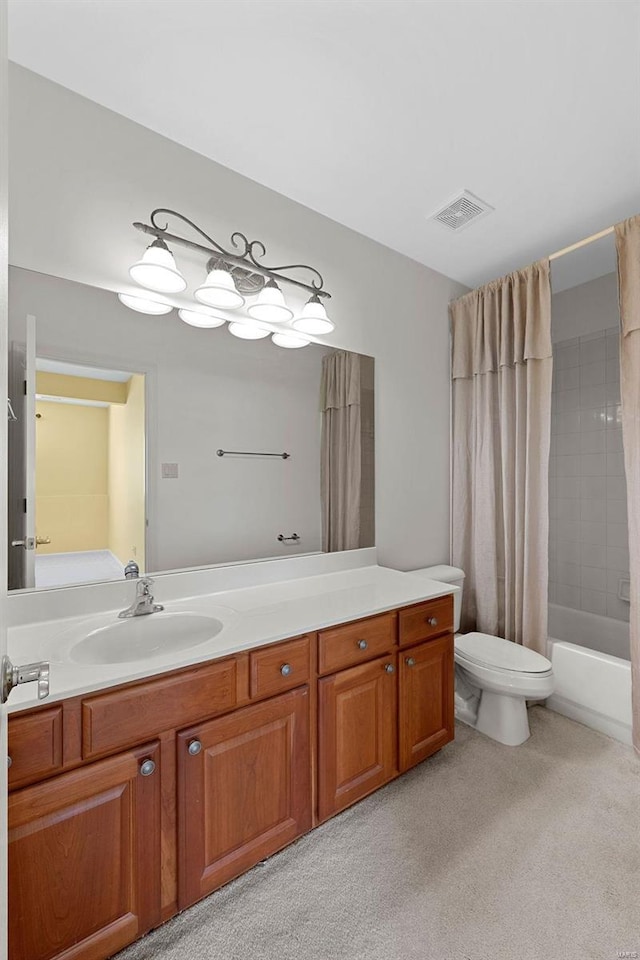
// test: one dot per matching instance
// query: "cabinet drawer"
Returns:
(278, 668)
(427, 620)
(111, 721)
(35, 745)
(356, 642)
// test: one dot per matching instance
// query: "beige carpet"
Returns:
(484, 852)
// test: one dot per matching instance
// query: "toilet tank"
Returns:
(446, 574)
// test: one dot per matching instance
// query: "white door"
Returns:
(22, 456)
(30, 454)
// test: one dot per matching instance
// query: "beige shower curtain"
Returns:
(628, 249)
(502, 365)
(340, 466)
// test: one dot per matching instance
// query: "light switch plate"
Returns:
(169, 471)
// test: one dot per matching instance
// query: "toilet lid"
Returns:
(499, 654)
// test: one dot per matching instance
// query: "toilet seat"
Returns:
(498, 654)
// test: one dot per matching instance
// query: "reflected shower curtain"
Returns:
(340, 465)
(628, 250)
(501, 370)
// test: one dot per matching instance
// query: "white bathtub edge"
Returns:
(592, 688)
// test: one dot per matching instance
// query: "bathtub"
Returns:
(592, 686)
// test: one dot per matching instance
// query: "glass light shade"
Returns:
(219, 290)
(248, 331)
(270, 305)
(201, 318)
(313, 319)
(157, 270)
(289, 341)
(145, 305)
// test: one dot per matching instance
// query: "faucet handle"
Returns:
(143, 586)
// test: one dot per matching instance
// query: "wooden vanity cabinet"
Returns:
(84, 859)
(131, 803)
(357, 717)
(244, 791)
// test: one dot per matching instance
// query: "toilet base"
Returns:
(503, 718)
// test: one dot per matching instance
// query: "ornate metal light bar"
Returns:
(244, 261)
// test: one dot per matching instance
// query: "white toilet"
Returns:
(494, 677)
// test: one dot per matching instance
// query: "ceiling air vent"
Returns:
(461, 211)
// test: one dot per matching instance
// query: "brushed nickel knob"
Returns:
(194, 748)
(410, 662)
(9, 761)
(362, 644)
(286, 669)
(389, 668)
(147, 767)
(432, 621)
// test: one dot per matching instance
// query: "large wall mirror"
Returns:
(142, 440)
(117, 418)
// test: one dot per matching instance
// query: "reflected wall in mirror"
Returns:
(118, 420)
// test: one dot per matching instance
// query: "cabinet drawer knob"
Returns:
(9, 761)
(286, 669)
(194, 748)
(389, 668)
(147, 767)
(410, 662)
(362, 644)
(432, 621)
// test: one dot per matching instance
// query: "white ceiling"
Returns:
(376, 112)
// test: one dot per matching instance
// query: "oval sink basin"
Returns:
(140, 638)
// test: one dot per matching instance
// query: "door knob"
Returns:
(147, 767)
(389, 668)
(410, 662)
(28, 543)
(194, 748)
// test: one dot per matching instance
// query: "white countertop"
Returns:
(251, 617)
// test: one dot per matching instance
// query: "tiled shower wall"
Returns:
(588, 543)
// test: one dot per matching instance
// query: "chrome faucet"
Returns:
(143, 603)
(131, 571)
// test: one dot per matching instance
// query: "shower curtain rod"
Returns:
(581, 243)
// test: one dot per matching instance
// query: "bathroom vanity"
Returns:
(133, 800)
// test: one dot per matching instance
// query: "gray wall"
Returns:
(588, 308)
(81, 174)
(588, 543)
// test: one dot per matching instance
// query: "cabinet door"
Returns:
(84, 860)
(426, 699)
(244, 791)
(357, 735)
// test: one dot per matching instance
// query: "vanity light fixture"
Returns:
(289, 341)
(157, 269)
(270, 305)
(145, 304)
(219, 289)
(201, 318)
(248, 331)
(313, 319)
(233, 275)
